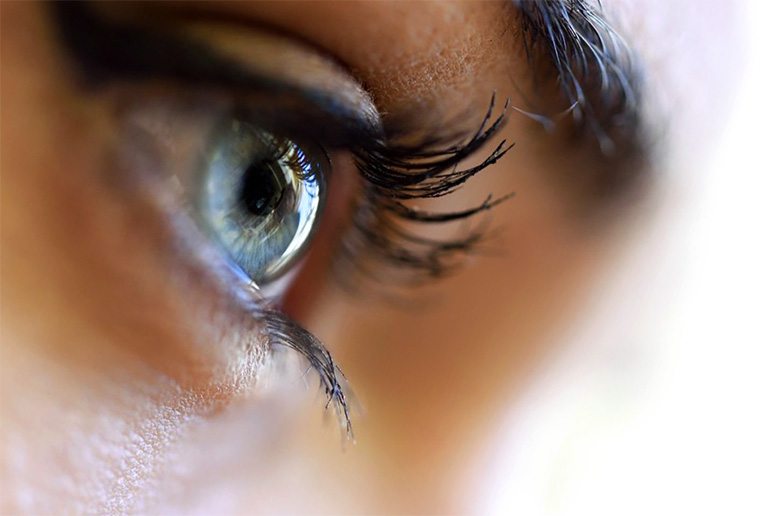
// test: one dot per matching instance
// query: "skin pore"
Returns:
(128, 382)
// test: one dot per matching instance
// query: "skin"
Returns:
(127, 386)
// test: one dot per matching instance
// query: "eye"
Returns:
(260, 197)
(204, 116)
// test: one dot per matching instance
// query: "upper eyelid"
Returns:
(108, 50)
(105, 50)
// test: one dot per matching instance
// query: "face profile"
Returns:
(306, 257)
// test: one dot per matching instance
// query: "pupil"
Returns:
(260, 191)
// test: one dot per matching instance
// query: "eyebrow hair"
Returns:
(597, 72)
(597, 77)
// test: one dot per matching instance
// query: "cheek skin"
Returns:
(435, 379)
(92, 252)
(104, 366)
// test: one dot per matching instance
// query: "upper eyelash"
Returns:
(395, 173)
(429, 168)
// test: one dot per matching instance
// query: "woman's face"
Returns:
(148, 261)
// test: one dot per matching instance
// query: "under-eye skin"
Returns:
(247, 138)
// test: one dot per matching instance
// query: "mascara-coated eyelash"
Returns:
(284, 331)
(429, 168)
(381, 235)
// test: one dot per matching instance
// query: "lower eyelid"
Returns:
(315, 273)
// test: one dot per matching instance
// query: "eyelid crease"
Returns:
(108, 50)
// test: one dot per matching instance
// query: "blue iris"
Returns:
(261, 197)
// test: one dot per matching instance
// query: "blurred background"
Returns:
(671, 410)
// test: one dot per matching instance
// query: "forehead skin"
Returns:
(123, 361)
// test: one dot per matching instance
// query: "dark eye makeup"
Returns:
(261, 170)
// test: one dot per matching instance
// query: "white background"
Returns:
(673, 411)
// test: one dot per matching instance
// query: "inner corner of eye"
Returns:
(260, 198)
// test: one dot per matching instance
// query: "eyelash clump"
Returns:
(381, 232)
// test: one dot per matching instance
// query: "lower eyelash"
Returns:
(283, 331)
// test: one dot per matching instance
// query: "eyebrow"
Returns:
(572, 43)
(574, 52)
